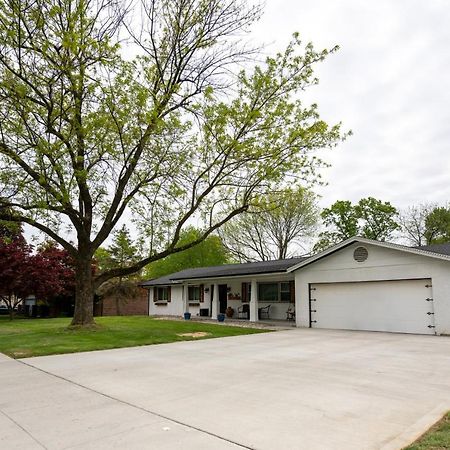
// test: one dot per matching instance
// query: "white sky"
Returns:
(389, 83)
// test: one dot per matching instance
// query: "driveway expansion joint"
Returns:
(24, 430)
(110, 397)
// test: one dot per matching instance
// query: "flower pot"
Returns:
(220, 317)
(229, 312)
(187, 316)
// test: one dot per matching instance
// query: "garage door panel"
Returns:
(397, 306)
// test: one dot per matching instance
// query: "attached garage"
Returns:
(404, 306)
(361, 284)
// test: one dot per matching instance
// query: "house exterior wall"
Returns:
(176, 307)
(172, 308)
(136, 306)
(381, 264)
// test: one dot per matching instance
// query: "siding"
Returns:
(382, 264)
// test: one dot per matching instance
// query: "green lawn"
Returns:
(22, 338)
(436, 438)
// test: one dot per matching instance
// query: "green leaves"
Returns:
(369, 218)
(121, 253)
(210, 252)
(437, 226)
(90, 134)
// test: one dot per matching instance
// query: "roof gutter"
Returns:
(179, 281)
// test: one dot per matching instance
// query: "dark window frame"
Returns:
(193, 289)
(161, 295)
(288, 294)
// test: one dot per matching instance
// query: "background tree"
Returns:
(10, 227)
(120, 254)
(378, 220)
(15, 280)
(54, 269)
(369, 218)
(437, 226)
(209, 252)
(413, 223)
(341, 223)
(88, 135)
(274, 228)
(45, 274)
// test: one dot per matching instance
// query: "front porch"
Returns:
(265, 299)
(273, 324)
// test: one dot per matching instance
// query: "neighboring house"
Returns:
(135, 305)
(359, 284)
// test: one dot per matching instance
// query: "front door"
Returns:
(222, 298)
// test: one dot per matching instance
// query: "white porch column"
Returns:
(215, 302)
(254, 302)
(184, 295)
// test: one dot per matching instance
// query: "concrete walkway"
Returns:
(296, 389)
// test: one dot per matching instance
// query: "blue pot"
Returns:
(187, 316)
(221, 317)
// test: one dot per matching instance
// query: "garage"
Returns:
(367, 285)
(403, 306)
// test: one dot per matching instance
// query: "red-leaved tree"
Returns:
(15, 279)
(46, 274)
(53, 270)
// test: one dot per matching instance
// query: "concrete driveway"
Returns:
(295, 389)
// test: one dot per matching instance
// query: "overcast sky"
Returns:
(389, 83)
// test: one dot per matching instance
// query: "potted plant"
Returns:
(220, 317)
(229, 312)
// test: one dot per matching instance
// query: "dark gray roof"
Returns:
(163, 281)
(226, 270)
(442, 249)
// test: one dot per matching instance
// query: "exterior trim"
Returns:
(180, 282)
(348, 242)
(242, 275)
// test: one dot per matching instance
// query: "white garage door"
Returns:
(403, 306)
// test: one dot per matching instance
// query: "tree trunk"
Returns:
(118, 305)
(11, 313)
(118, 298)
(84, 293)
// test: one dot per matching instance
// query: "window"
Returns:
(161, 294)
(194, 294)
(268, 292)
(275, 292)
(285, 292)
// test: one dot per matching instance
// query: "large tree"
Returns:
(370, 218)
(90, 136)
(275, 227)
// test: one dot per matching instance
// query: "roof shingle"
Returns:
(442, 249)
(253, 268)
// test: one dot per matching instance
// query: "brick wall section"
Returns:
(137, 306)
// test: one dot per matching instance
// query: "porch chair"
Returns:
(244, 311)
(264, 312)
(290, 313)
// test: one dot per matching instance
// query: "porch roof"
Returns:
(227, 270)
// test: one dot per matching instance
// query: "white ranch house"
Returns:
(359, 284)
